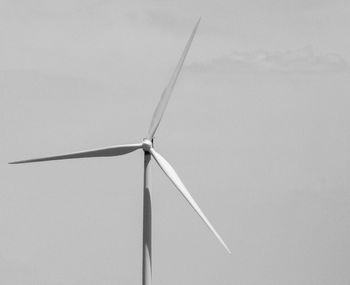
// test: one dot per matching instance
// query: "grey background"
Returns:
(257, 128)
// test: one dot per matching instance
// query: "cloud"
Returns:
(293, 61)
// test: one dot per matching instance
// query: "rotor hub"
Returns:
(146, 145)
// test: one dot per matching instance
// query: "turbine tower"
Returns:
(147, 146)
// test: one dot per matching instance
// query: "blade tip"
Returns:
(198, 21)
(20, 161)
(226, 247)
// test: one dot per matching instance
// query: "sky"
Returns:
(257, 128)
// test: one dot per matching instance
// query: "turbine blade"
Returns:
(159, 111)
(107, 151)
(170, 172)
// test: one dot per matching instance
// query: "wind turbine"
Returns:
(147, 146)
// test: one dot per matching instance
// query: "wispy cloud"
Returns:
(292, 61)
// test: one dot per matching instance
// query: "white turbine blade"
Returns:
(170, 172)
(159, 111)
(107, 151)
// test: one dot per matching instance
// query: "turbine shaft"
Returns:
(175, 179)
(100, 152)
(163, 102)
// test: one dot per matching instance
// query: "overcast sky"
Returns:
(257, 128)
